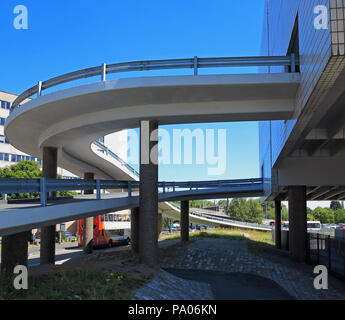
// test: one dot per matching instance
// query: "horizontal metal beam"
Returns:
(9, 185)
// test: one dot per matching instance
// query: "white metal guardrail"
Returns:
(107, 151)
(226, 219)
(44, 185)
(193, 63)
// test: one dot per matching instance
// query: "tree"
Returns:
(335, 205)
(254, 211)
(310, 217)
(340, 216)
(271, 211)
(324, 215)
(23, 169)
(29, 170)
(248, 211)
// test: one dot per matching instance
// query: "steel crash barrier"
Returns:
(44, 186)
(289, 62)
(225, 219)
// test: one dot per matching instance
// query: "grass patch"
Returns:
(227, 233)
(74, 285)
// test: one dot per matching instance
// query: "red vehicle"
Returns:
(100, 237)
(273, 223)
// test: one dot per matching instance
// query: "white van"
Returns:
(313, 225)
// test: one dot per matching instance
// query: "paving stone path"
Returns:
(234, 256)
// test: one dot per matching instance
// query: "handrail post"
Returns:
(39, 88)
(129, 188)
(104, 71)
(195, 65)
(43, 191)
(293, 62)
(98, 189)
(173, 186)
(163, 186)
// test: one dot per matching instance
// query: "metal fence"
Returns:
(328, 251)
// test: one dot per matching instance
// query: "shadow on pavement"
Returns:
(235, 286)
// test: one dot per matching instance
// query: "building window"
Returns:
(5, 105)
(3, 139)
(2, 121)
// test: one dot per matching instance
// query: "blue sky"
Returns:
(64, 36)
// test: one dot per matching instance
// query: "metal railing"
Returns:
(328, 251)
(107, 151)
(199, 185)
(248, 225)
(45, 185)
(193, 63)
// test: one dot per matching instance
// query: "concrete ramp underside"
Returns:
(73, 118)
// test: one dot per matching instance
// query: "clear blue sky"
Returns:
(69, 35)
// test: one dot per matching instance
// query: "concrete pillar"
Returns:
(159, 225)
(278, 226)
(49, 170)
(135, 230)
(297, 223)
(148, 197)
(88, 222)
(14, 251)
(184, 221)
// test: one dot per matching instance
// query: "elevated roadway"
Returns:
(72, 119)
(17, 218)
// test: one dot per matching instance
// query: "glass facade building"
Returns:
(289, 27)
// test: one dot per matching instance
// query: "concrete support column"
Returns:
(49, 170)
(148, 197)
(184, 221)
(278, 225)
(14, 251)
(88, 222)
(298, 223)
(135, 230)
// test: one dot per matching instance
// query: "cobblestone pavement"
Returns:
(235, 256)
(165, 286)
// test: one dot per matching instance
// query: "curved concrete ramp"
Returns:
(73, 118)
